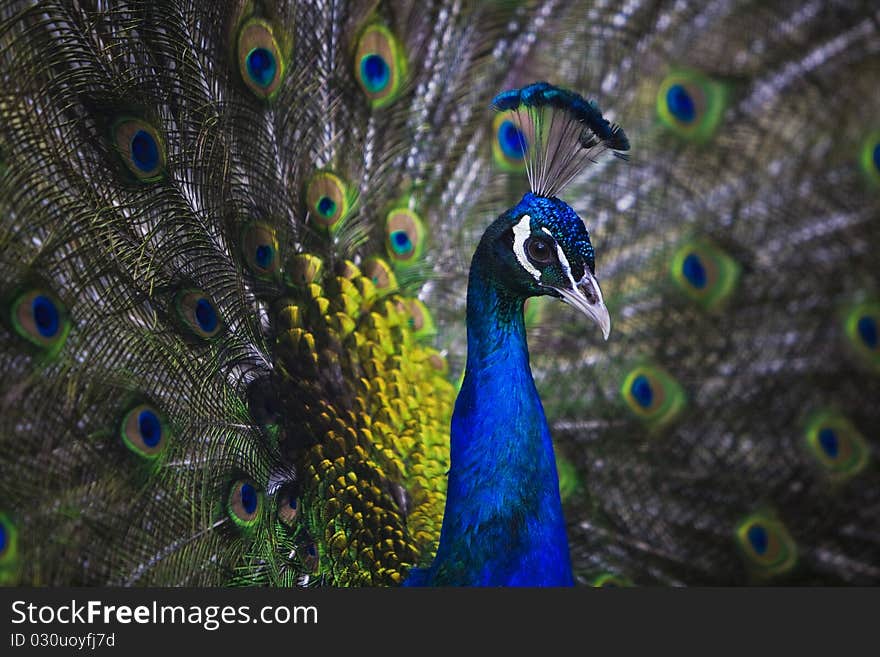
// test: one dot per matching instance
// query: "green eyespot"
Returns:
(260, 249)
(404, 236)
(140, 147)
(705, 273)
(691, 105)
(144, 431)
(244, 503)
(653, 395)
(766, 544)
(870, 158)
(510, 142)
(39, 317)
(8, 542)
(260, 61)
(198, 313)
(862, 328)
(610, 581)
(380, 65)
(836, 445)
(328, 199)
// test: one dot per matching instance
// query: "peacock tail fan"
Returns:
(234, 240)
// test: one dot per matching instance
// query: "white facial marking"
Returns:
(521, 233)
(566, 267)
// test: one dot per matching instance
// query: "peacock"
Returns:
(380, 293)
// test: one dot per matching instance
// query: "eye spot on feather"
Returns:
(259, 58)
(836, 445)
(404, 236)
(326, 206)
(260, 249)
(862, 332)
(328, 199)
(144, 431)
(261, 66)
(375, 72)
(308, 553)
(244, 503)
(8, 542)
(870, 158)
(642, 391)
(705, 273)
(144, 151)
(380, 65)
(766, 544)
(510, 145)
(694, 271)
(691, 104)
(867, 328)
(610, 581)
(41, 319)
(198, 313)
(512, 140)
(653, 395)
(680, 104)
(288, 507)
(141, 149)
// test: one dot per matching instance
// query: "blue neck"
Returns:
(503, 524)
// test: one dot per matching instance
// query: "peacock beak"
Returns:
(586, 296)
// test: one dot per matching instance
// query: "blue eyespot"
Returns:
(260, 60)
(758, 538)
(3, 538)
(680, 104)
(327, 206)
(248, 498)
(264, 256)
(642, 391)
(144, 431)
(244, 503)
(511, 140)
(877, 157)
(46, 318)
(694, 271)
(375, 73)
(150, 428)
(144, 151)
(828, 441)
(198, 312)
(400, 242)
(261, 66)
(867, 328)
(206, 316)
(311, 550)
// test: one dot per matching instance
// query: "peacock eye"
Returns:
(539, 251)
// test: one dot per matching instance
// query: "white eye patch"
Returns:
(521, 232)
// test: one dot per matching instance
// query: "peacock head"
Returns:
(541, 247)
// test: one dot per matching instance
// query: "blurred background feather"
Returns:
(234, 249)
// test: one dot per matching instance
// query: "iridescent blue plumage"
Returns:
(503, 524)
